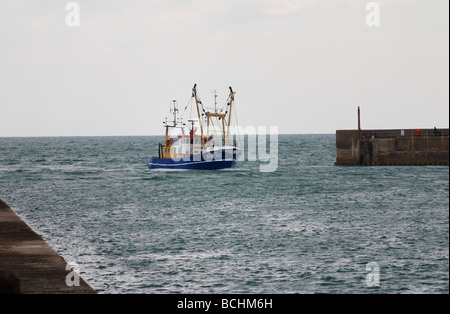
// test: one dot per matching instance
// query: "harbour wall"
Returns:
(407, 147)
(28, 265)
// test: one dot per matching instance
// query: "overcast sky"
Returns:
(302, 65)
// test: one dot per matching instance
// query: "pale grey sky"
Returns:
(302, 65)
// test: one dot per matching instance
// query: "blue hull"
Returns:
(197, 162)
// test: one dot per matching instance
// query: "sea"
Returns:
(309, 227)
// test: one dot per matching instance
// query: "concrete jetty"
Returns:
(27, 258)
(407, 147)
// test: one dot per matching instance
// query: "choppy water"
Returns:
(310, 227)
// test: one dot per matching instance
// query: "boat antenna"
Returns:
(215, 101)
(175, 111)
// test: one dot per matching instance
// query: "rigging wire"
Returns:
(213, 122)
(189, 103)
(225, 105)
(238, 137)
(216, 134)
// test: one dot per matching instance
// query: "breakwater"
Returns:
(407, 147)
(29, 265)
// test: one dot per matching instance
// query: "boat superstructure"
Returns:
(198, 144)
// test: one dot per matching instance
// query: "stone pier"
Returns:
(28, 263)
(408, 147)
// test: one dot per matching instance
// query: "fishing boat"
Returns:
(192, 146)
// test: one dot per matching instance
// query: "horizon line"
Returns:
(157, 135)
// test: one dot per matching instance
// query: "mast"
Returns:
(198, 110)
(175, 122)
(226, 124)
(175, 111)
(229, 113)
